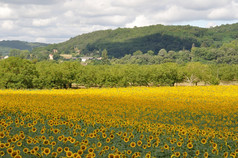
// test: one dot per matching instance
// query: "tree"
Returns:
(138, 52)
(195, 72)
(162, 52)
(150, 52)
(105, 60)
(17, 73)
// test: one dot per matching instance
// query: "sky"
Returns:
(55, 21)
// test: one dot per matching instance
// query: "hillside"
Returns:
(6, 46)
(128, 40)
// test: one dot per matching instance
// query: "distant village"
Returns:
(67, 56)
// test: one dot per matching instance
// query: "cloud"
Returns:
(5, 11)
(7, 25)
(58, 20)
(42, 22)
(38, 2)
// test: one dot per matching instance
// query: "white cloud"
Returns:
(40, 39)
(58, 20)
(7, 25)
(140, 20)
(5, 11)
(42, 22)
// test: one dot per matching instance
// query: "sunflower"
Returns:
(179, 144)
(55, 131)
(83, 147)
(2, 145)
(124, 134)
(166, 147)
(53, 143)
(197, 152)
(72, 140)
(80, 152)
(46, 151)
(18, 156)
(60, 138)
(76, 155)
(111, 156)
(99, 144)
(119, 133)
(9, 150)
(69, 154)
(205, 154)
(19, 143)
(46, 142)
(29, 141)
(59, 149)
(126, 140)
(132, 144)
(177, 154)
(108, 140)
(149, 145)
(2, 153)
(113, 148)
(214, 151)
(214, 145)
(144, 146)
(226, 154)
(36, 148)
(190, 145)
(203, 141)
(90, 150)
(33, 152)
(148, 155)
(172, 149)
(129, 152)
(25, 150)
(34, 129)
(139, 142)
(185, 154)
(54, 154)
(66, 149)
(106, 147)
(117, 156)
(81, 134)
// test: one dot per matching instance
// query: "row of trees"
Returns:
(227, 53)
(20, 73)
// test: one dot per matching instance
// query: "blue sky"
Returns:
(54, 21)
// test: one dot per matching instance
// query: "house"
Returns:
(66, 56)
(84, 59)
(55, 51)
(6, 57)
(51, 56)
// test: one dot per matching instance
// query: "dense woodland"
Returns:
(20, 73)
(122, 41)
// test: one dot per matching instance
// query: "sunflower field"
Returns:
(199, 121)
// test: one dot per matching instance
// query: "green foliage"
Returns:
(124, 41)
(16, 73)
(6, 46)
(21, 73)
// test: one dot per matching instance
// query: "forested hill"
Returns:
(6, 46)
(128, 40)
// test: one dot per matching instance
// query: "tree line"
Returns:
(18, 73)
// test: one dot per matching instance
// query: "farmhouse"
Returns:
(84, 59)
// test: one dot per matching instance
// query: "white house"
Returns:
(84, 59)
(51, 56)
